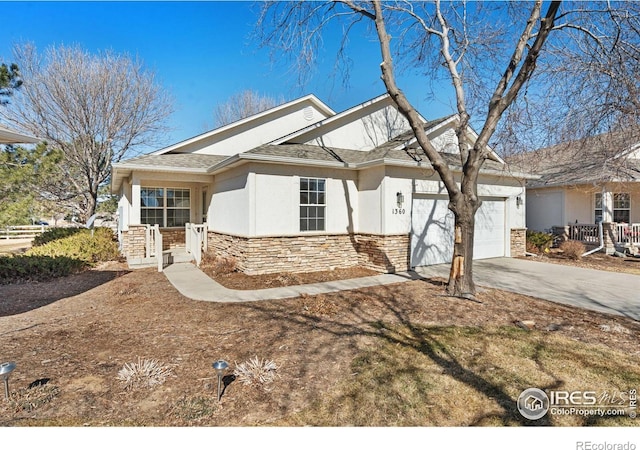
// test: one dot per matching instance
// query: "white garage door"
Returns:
(432, 230)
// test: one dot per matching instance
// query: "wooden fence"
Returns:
(22, 231)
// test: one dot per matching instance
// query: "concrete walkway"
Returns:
(609, 292)
(195, 284)
(598, 290)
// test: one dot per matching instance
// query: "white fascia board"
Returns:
(427, 164)
(312, 98)
(333, 118)
(8, 136)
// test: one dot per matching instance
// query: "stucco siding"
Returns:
(373, 129)
(230, 208)
(545, 209)
(255, 133)
(579, 206)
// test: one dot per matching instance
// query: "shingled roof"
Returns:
(603, 158)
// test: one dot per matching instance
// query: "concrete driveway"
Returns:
(608, 292)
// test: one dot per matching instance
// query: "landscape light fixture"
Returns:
(220, 366)
(400, 199)
(5, 370)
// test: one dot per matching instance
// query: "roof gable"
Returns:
(362, 127)
(258, 129)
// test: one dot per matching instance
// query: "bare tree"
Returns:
(488, 54)
(243, 104)
(94, 108)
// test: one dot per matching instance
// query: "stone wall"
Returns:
(313, 252)
(172, 238)
(134, 240)
(518, 243)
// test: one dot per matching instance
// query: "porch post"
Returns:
(607, 205)
(135, 200)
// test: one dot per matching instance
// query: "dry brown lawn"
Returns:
(402, 355)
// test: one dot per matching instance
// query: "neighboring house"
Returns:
(300, 187)
(8, 136)
(585, 182)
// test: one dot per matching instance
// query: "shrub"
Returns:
(21, 268)
(532, 248)
(573, 249)
(221, 265)
(81, 245)
(145, 373)
(53, 234)
(542, 241)
(256, 371)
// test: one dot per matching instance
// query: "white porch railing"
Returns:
(22, 231)
(627, 234)
(623, 234)
(196, 240)
(153, 245)
(584, 232)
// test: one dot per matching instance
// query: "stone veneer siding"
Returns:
(134, 240)
(261, 255)
(518, 242)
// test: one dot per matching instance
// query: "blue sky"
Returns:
(200, 51)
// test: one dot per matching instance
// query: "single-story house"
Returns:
(583, 183)
(300, 187)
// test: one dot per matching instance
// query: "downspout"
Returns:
(600, 234)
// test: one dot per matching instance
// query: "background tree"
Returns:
(24, 172)
(95, 109)
(9, 81)
(241, 105)
(490, 58)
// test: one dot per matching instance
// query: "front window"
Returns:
(312, 204)
(621, 207)
(167, 207)
(598, 208)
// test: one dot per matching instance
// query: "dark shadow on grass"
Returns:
(23, 297)
(398, 329)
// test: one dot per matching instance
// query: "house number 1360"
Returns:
(397, 211)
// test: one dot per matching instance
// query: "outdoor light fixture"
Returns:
(220, 366)
(5, 370)
(518, 201)
(400, 199)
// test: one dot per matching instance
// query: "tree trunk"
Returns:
(461, 275)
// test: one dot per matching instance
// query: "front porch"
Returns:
(612, 237)
(152, 246)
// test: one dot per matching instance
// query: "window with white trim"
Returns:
(598, 207)
(167, 207)
(621, 207)
(312, 204)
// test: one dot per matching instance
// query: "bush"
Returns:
(573, 249)
(53, 234)
(81, 245)
(16, 269)
(542, 241)
(532, 248)
(221, 265)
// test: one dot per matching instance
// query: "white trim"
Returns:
(312, 98)
(336, 117)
